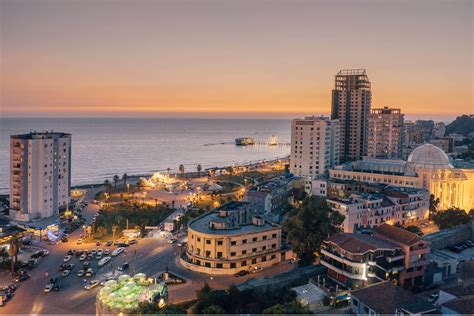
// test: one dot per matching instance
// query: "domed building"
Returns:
(427, 167)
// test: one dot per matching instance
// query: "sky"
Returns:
(257, 59)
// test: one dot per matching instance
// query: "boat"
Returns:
(244, 141)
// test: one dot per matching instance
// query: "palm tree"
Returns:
(116, 179)
(13, 252)
(125, 178)
(181, 170)
(199, 168)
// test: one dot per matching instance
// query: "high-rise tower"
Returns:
(351, 100)
(385, 133)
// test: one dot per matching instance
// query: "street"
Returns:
(150, 256)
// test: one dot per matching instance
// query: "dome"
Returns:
(428, 156)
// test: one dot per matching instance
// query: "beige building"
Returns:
(351, 101)
(385, 133)
(40, 175)
(231, 239)
(314, 146)
(427, 167)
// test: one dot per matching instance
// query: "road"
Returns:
(150, 256)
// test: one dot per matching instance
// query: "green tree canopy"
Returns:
(288, 308)
(309, 224)
(213, 309)
(451, 217)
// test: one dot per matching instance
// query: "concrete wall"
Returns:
(452, 236)
(295, 277)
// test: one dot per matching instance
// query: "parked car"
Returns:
(80, 273)
(132, 242)
(107, 252)
(433, 297)
(256, 269)
(90, 272)
(124, 266)
(22, 278)
(79, 241)
(109, 243)
(102, 282)
(82, 257)
(241, 273)
(48, 287)
(92, 284)
(67, 258)
(97, 243)
(66, 272)
(100, 252)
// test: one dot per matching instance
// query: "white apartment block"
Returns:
(385, 133)
(314, 146)
(394, 205)
(40, 174)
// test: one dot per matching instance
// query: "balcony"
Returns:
(343, 272)
(395, 258)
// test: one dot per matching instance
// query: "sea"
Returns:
(104, 147)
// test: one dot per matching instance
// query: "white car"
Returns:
(93, 251)
(89, 272)
(107, 252)
(82, 257)
(98, 257)
(66, 272)
(79, 241)
(117, 251)
(170, 241)
(80, 273)
(48, 288)
(92, 284)
(103, 261)
(67, 258)
(100, 252)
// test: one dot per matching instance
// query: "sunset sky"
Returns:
(227, 58)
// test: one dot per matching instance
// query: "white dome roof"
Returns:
(428, 156)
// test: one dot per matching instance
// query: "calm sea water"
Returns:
(103, 147)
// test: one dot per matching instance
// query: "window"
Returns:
(244, 241)
(243, 263)
(244, 252)
(199, 239)
(264, 248)
(219, 242)
(208, 241)
(254, 261)
(219, 254)
(264, 258)
(274, 235)
(264, 238)
(232, 265)
(207, 264)
(219, 265)
(274, 246)
(232, 254)
(233, 243)
(254, 249)
(208, 253)
(254, 239)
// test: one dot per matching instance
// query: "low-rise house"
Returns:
(441, 266)
(414, 248)
(272, 195)
(358, 260)
(388, 299)
(260, 201)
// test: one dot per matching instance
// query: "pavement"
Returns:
(151, 256)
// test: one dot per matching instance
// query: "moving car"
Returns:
(256, 269)
(92, 284)
(90, 272)
(79, 241)
(132, 242)
(124, 266)
(117, 251)
(48, 287)
(103, 261)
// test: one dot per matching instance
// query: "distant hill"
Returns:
(461, 125)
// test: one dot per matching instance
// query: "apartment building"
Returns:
(40, 174)
(392, 205)
(385, 138)
(351, 102)
(270, 196)
(232, 238)
(314, 146)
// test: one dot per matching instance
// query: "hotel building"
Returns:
(390, 253)
(392, 205)
(427, 167)
(230, 239)
(385, 133)
(314, 146)
(40, 175)
(351, 101)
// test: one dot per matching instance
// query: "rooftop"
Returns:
(397, 234)
(385, 298)
(41, 135)
(461, 306)
(359, 243)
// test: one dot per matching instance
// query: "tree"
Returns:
(199, 168)
(107, 186)
(116, 179)
(213, 309)
(309, 224)
(168, 170)
(181, 170)
(125, 178)
(13, 252)
(414, 229)
(287, 308)
(205, 298)
(433, 207)
(451, 217)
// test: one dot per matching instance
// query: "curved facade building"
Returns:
(427, 167)
(232, 238)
